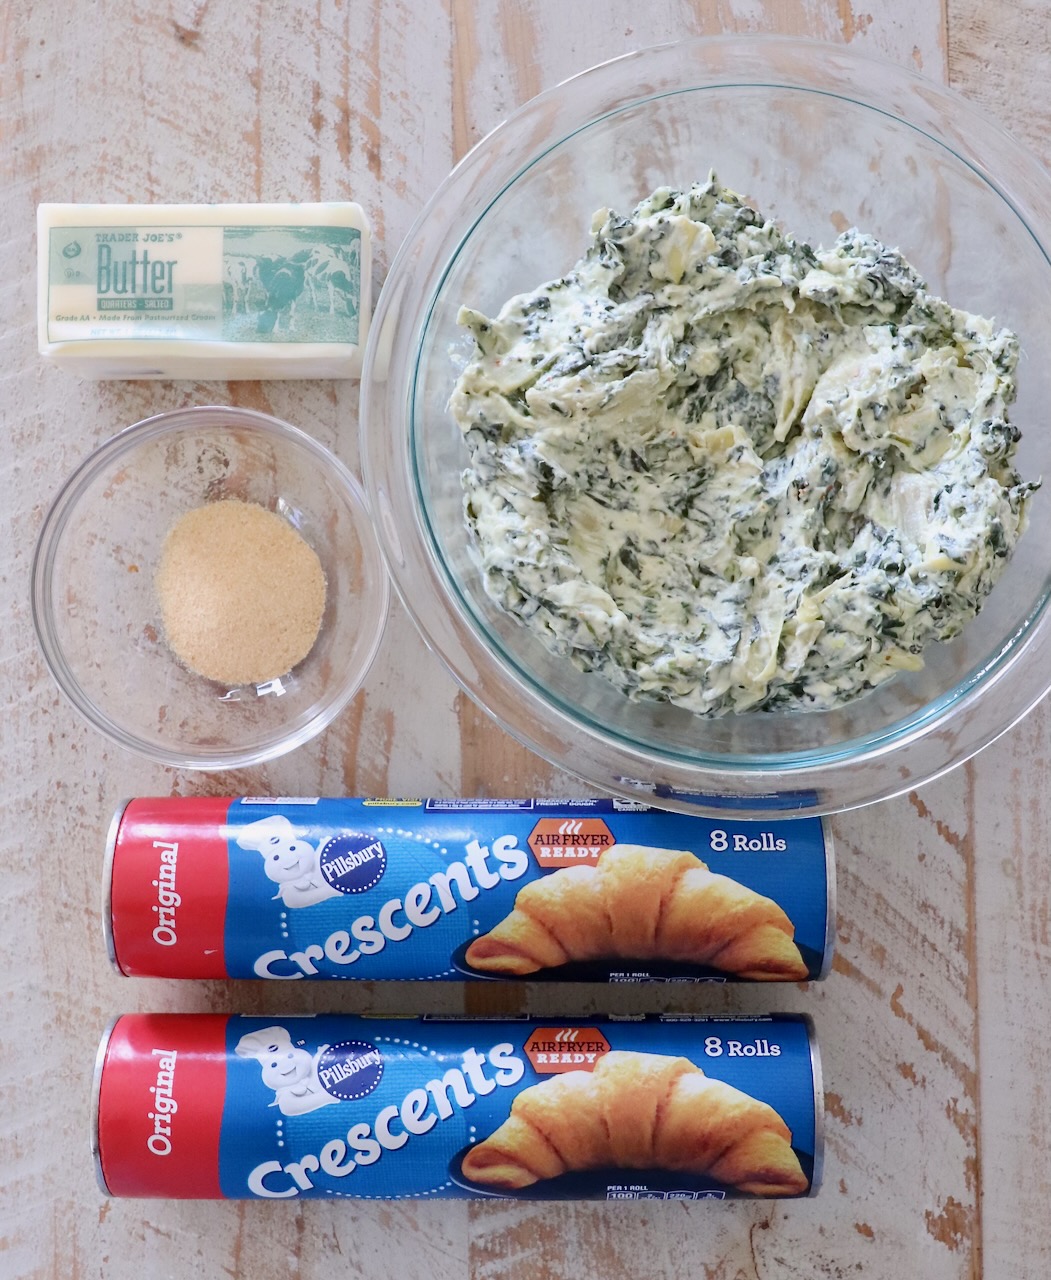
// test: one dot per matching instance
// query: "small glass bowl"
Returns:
(97, 616)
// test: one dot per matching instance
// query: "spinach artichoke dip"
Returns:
(732, 472)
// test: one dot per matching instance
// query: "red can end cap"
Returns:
(161, 1089)
(169, 885)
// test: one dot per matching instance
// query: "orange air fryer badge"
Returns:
(570, 842)
(552, 1050)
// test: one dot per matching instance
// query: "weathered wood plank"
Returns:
(999, 55)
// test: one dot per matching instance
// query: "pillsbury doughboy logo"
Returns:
(289, 859)
(291, 1070)
(306, 873)
(352, 863)
(303, 1081)
(350, 1069)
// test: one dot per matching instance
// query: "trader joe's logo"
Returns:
(552, 1050)
(561, 842)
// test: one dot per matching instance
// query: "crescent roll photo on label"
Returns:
(212, 1106)
(640, 1111)
(639, 903)
(602, 890)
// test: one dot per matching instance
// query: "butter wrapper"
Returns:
(237, 291)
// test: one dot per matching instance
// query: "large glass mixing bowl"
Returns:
(820, 138)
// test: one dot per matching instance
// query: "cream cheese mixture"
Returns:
(732, 472)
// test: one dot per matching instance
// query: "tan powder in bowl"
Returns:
(241, 594)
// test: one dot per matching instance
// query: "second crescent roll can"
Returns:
(584, 890)
(273, 1108)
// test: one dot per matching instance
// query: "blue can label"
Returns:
(287, 1108)
(586, 890)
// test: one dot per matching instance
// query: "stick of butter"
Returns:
(204, 291)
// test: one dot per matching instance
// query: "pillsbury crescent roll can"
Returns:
(582, 890)
(210, 1106)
